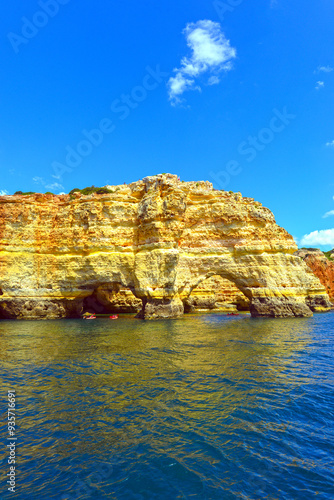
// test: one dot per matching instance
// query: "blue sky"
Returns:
(236, 92)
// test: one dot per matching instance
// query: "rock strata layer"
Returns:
(158, 237)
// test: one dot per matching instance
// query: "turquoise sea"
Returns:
(205, 407)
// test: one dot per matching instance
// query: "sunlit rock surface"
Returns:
(158, 237)
(321, 266)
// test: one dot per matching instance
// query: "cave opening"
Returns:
(111, 299)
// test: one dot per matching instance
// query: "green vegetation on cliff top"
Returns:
(24, 194)
(85, 191)
(91, 190)
(329, 254)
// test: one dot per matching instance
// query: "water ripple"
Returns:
(207, 407)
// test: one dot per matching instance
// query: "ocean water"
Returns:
(205, 407)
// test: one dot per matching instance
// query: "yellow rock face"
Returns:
(160, 238)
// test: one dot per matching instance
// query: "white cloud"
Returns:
(328, 214)
(324, 69)
(330, 144)
(3, 192)
(178, 85)
(320, 85)
(323, 237)
(55, 186)
(211, 53)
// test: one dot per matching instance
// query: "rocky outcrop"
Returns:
(321, 266)
(159, 238)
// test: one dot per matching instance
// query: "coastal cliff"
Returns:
(158, 237)
(321, 266)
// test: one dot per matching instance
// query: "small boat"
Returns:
(92, 316)
(114, 316)
(232, 314)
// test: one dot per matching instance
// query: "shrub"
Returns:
(88, 190)
(103, 191)
(328, 254)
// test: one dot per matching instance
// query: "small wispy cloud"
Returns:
(324, 69)
(328, 214)
(55, 186)
(3, 192)
(322, 237)
(213, 80)
(39, 180)
(320, 85)
(330, 144)
(211, 53)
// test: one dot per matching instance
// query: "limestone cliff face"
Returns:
(160, 238)
(321, 267)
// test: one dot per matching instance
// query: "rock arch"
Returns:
(264, 280)
(159, 237)
(276, 284)
(216, 293)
